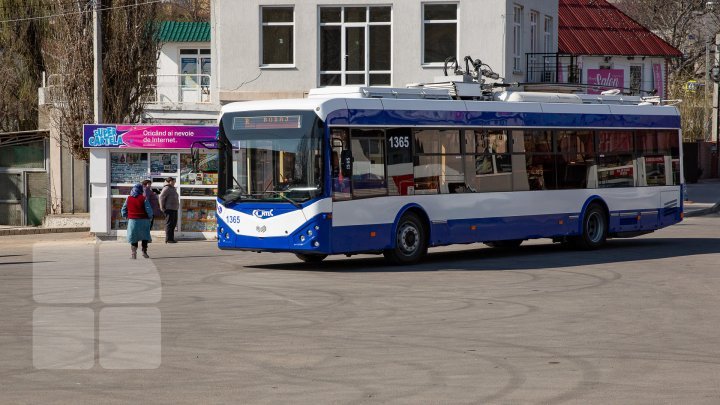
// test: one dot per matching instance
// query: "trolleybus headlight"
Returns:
(227, 236)
(317, 228)
(309, 232)
(222, 230)
(316, 244)
(302, 238)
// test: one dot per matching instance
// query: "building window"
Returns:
(636, 73)
(440, 32)
(517, 38)
(355, 46)
(548, 35)
(533, 44)
(277, 36)
(195, 69)
(533, 31)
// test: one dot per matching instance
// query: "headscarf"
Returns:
(137, 190)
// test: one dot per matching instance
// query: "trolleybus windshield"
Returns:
(276, 156)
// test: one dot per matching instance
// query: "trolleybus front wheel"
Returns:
(505, 244)
(410, 241)
(310, 258)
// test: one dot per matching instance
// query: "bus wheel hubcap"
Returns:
(408, 238)
(595, 227)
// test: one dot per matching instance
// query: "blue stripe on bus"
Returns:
(515, 119)
(359, 238)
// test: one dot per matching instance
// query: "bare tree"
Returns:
(187, 10)
(688, 25)
(131, 51)
(129, 57)
(21, 63)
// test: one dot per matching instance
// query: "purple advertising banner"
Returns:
(600, 80)
(146, 136)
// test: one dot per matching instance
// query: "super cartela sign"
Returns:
(146, 136)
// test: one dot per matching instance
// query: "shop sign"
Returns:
(600, 80)
(146, 136)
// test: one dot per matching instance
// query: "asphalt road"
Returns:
(636, 322)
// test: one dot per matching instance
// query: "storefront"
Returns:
(124, 155)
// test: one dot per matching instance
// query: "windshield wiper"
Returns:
(283, 196)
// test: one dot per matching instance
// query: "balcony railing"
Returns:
(552, 68)
(167, 89)
(180, 89)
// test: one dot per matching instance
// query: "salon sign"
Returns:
(599, 80)
(146, 136)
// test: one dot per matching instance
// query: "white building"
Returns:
(182, 92)
(280, 49)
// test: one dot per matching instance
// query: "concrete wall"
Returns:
(485, 32)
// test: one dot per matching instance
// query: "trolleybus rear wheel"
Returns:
(594, 229)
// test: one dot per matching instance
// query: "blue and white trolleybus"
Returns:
(395, 171)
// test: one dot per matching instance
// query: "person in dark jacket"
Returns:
(170, 204)
(139, 213)
(153, 199)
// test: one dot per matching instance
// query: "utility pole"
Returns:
(715, 111)
(97, 53)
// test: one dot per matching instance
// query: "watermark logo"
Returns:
(262, 213)
(95, 306)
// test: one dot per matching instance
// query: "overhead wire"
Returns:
(89, 10)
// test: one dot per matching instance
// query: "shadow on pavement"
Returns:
(531, 257)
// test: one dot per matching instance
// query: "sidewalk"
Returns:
(703, 198)
(6, 230)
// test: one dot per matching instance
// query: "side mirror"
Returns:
(346, 163)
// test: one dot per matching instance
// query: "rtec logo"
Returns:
(262, 213)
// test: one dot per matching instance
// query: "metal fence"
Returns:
(552, 68)
(180, 88)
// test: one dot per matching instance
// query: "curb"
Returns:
(36, 231)
(704, 211)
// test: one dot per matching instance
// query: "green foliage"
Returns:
(694, 109)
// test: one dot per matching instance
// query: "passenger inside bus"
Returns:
(340, 183)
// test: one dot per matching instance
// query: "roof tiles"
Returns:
(596, 27)
(176, 31)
